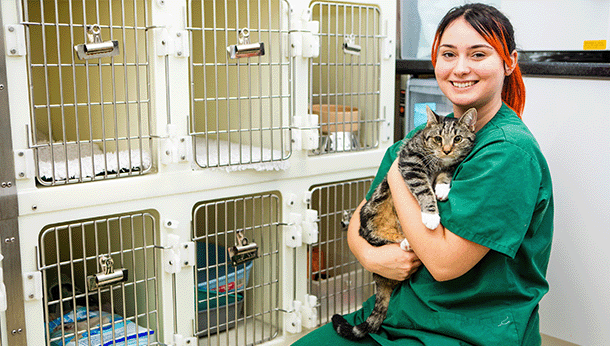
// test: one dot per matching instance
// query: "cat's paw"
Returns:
(431, 220)
(405, 246)
(442, 191)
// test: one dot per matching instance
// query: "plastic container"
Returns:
(220, 288)
(336, 118)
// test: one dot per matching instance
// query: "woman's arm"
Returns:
(389, 261)
(445, 255)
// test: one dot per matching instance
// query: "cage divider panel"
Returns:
(91, 118)
(334, 275)
(239, 106)
(237, 305)
(70, 256)
(348, 101)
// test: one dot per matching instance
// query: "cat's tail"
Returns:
(371, 324)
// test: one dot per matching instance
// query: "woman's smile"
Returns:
(463, 85)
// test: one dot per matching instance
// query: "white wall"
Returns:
(557, 25)
(571, 120)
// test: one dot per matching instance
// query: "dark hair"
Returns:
(497, 31)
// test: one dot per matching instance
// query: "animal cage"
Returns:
(242, 298)
(90, 109)
(125, 118)
(240, 84)
(335, 277)
(345, 77)
(100, 279)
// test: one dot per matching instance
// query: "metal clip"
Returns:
(350, 47)
(245, 49)
(96, 48)
(108, 276)
(243, 251)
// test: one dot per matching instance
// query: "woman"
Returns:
(484, 267)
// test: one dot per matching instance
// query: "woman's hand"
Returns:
(390, 261)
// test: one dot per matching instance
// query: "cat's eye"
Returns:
(457, 139)
(438, 139)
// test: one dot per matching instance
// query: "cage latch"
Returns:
(108, 276)
(350, 46)
(243, 251)
(96, 48)
(245, 49)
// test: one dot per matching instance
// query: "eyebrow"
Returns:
(476, 46)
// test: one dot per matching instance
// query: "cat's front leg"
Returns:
(443, 185)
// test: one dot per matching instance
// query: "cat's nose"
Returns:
(447, 149)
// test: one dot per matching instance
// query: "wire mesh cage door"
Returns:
(344, 79)
(100, 280)
(89, 89)
(240, 85)
(334, 275)
(237, 274)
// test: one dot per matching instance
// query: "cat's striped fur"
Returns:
(428, 159)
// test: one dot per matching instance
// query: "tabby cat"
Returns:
(428, 159)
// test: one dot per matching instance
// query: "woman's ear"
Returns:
(513, 63)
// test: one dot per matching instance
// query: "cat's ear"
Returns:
(469, 118)
(432, 117)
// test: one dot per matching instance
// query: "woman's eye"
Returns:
(448, 55)
(457, 139)
(478, 55)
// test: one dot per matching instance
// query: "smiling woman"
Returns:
(478, 277)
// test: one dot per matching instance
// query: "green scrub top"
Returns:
(501, 197)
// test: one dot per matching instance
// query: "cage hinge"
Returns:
(292, 321)
(309, 312)
(293, 235)
(304, 40)
(32, 286)
(175, 149)
(310, 227)
(302, 314)
(301, 229)
(177, 255)
(305, 132)
(388, 48)
(14, 40)
(172, 43)
(180, 340)
(24, 164)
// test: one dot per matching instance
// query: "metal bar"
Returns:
(9, 213)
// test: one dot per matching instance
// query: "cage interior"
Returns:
(335, 276)
(345, 78)
(237, 303)
(100, 280)
(239, 102)
(90, 115)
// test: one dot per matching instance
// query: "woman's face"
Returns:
(469, 71)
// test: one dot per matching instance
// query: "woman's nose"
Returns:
(461, 66)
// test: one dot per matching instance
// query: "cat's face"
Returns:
(450, 139)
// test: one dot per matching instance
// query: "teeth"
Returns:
(463, 85)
